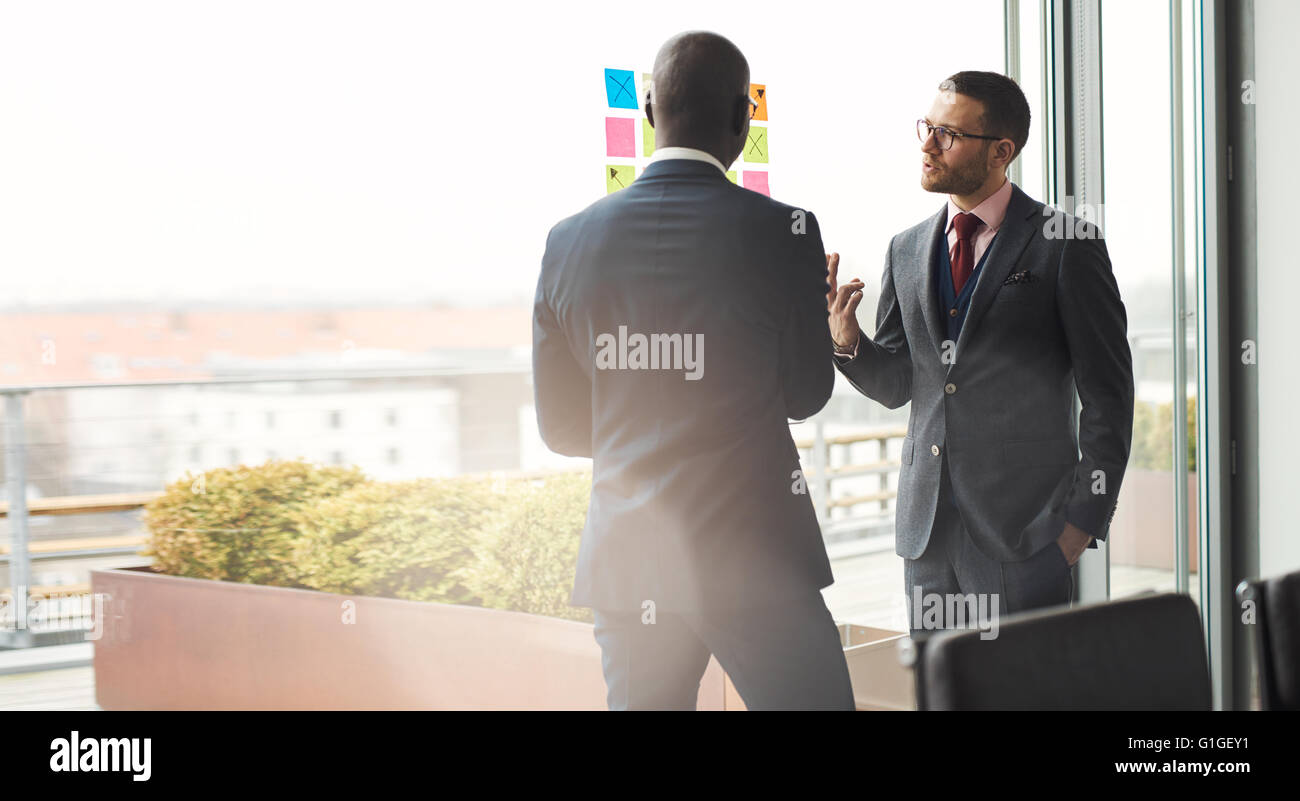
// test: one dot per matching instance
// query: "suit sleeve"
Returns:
(561, 388)
(807, 378)
(882, 368)
(1096, 332)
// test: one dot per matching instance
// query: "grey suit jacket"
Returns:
(695, 499)
(999, 407)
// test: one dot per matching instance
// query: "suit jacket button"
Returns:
(950, 388)
(951, 312)
(934, 449)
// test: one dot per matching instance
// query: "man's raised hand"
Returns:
(842, 304)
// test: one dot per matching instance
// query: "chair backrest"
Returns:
(1141, 653)
(1277, 639)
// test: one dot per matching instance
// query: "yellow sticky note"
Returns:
(756, 145)
(617, 176)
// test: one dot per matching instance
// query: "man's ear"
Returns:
(649, 112)
(741, 118)
(1004, 149)
(1009, 148)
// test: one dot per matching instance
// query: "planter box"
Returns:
(172, 643)
(880, 681)
(1142, 533)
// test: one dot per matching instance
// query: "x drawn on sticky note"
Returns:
(620, 137)
(756, 145)
(617, 176)
(757, 181)
(758, 91)
(620, 88)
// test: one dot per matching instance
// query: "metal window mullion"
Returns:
(1218, 609)
(1046, 126)
(1011, 61)
(1077, 172)
(1179, 332)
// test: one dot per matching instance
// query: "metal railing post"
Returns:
(20, 566)
(821, 464)
(883, 444)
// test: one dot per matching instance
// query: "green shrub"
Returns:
(237, 524)
(408, 539)
(1153, 436)
(529, 553)
(505, 545)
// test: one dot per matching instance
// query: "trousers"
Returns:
(954, 583)
(784, 657)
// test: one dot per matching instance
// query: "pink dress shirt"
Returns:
(991, 212)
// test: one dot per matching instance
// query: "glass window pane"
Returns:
(1138, 218)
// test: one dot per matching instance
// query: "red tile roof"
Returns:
(55, 347)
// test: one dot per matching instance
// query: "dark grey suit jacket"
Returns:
(1001, 407)
(692, 501)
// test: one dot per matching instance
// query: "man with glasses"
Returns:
(990, 316)
(700, 538)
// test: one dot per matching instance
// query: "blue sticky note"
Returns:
(620, 89)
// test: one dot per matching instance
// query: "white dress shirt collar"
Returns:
(664, 153)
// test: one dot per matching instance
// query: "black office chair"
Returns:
(1141, 653)
(1277, 638)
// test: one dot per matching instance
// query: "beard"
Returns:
(961, 180)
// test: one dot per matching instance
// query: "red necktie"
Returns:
(963, 261)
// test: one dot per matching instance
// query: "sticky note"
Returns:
(756, 145)
(620, 137)
(647, 138)
(757, 181)
(647, 80)
(731, 176)
(758, 91)
(620, 88)
(617, 176)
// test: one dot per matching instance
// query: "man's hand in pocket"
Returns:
(1073, 542)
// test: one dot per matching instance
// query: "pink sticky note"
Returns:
(756, 181)
(620, 137)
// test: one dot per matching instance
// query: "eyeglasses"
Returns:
(945, 137)
(753, 104)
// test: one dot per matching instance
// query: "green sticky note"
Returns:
(756, 145)
(731, 176)
(617, 176)
(647, 138)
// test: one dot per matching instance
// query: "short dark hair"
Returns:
(699, 77)
(1006, 111)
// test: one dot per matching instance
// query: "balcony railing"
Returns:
(860, 507)
(867, 511)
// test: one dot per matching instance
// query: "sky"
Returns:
(384, 151)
